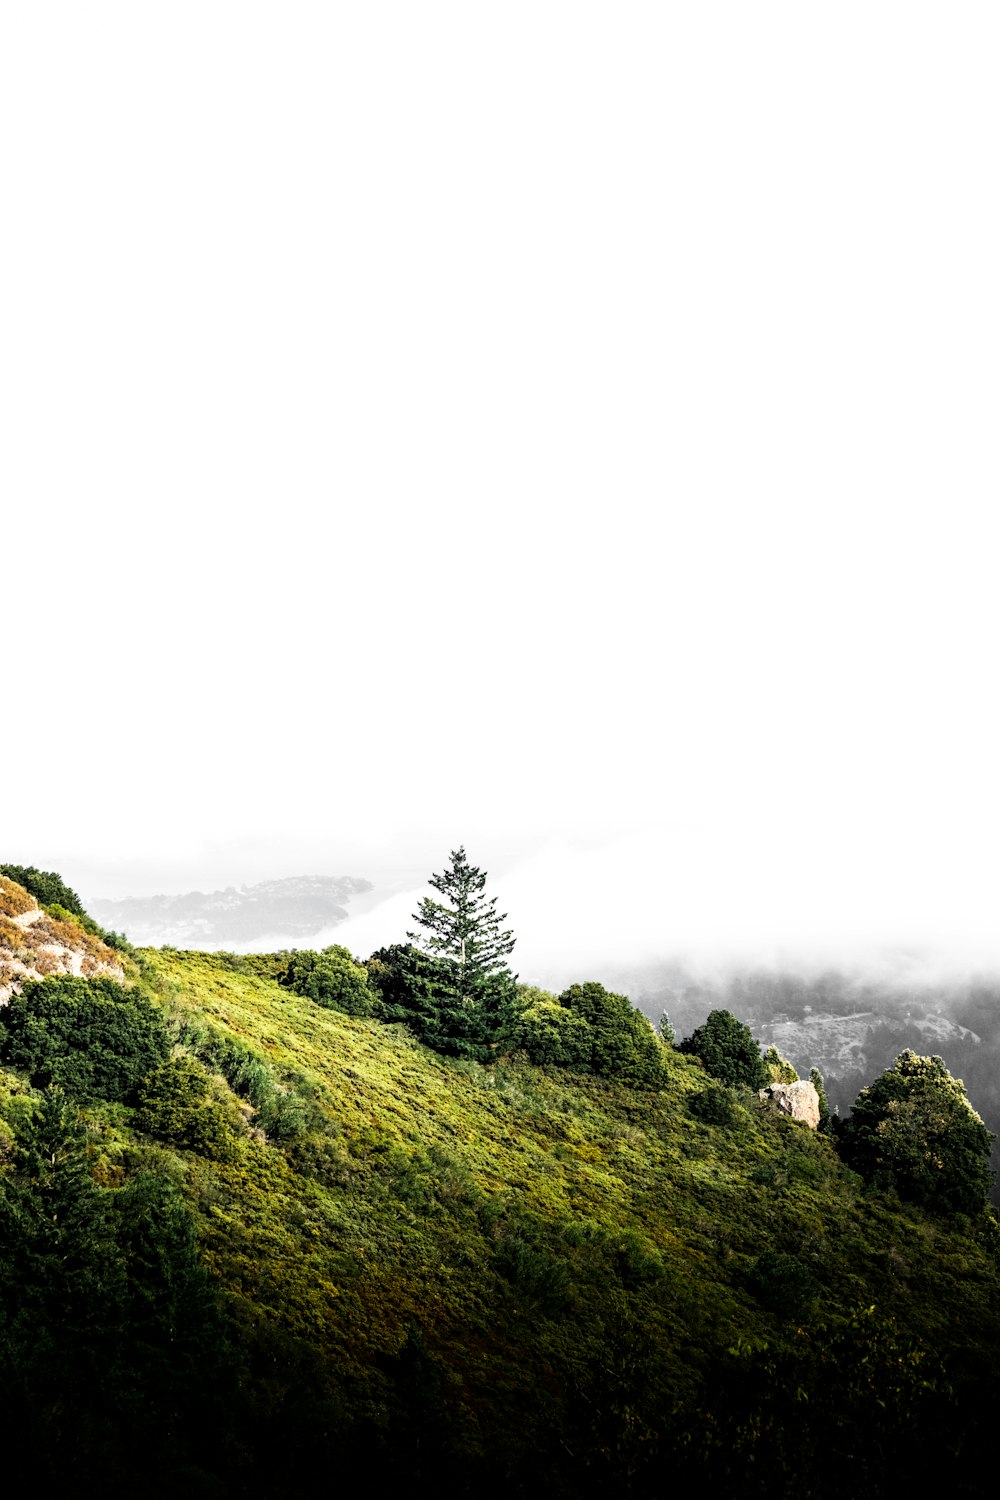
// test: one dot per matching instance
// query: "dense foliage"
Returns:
(109, 1329)
(914, 1129)
(587, 1027)
(48, 888)
(96, 1038)
(728, 1050)
(332, 978)
(177, 1104)
(415, 988)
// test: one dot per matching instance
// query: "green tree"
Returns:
(94, 1037)
(61, 1284)
(728, 1050)
(464, 939)
(414, 988)
(624, 1044)
(331, 978)
(110, 1341)
(588, 1028)
(914, 1129)
(816, 1079)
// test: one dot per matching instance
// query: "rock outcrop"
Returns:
(799, 1101)
(33, 944)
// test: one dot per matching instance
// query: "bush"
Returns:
(728, 1050)
(331, 978)
(782, 1283)
(92, 1037)
(715, 1106)
(176, 1104)
(590, 1028)
(816, 1079)
(551, 1035)
(282, 1112)
(779, 1069)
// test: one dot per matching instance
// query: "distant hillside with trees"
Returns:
(299, 906)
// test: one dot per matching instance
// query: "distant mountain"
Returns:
(297, 908)
(842, 1045)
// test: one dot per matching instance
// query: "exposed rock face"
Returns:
(799, 1100)
(34, 944)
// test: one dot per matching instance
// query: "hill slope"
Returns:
(511, 1279)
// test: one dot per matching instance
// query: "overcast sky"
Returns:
(566, 429)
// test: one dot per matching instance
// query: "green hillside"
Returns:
(329, 1245)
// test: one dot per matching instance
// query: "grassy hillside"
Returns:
(516, 1279)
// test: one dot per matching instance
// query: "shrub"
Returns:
(331, 978)
(779, 1068)
(714, 1106)
(92, 1037)
(782, 1283)
(176, 1104)
(590, 1028)
(551, 1035)
(280, 1111)
(16, 899)
(816, 1079)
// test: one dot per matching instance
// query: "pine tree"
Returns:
(464, 938)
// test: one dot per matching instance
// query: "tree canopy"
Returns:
(590, 1029)
(728, 1050)
(412, 988)
(47, 887)
(331, 978)
(94, 1037)
(914, 1129)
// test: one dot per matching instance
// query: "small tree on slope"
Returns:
(728, 1050)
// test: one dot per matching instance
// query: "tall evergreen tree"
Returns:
(464, 937)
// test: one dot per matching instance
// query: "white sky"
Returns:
(566, 429)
